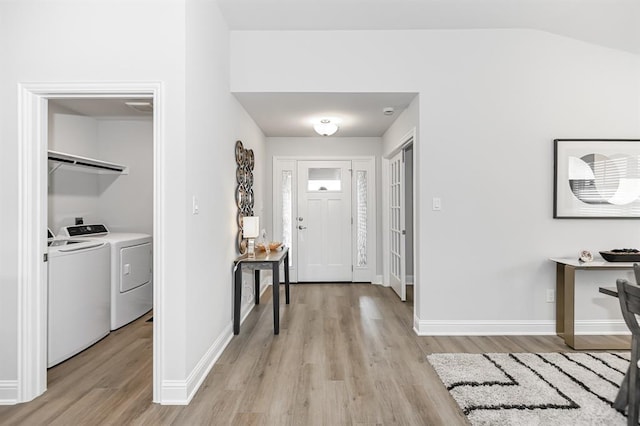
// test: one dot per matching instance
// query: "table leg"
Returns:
(256, 285)
(565, 320)
(276, 298)
(286, 277)
(559, 299)
(237, 298)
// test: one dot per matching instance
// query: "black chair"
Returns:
(629, 395)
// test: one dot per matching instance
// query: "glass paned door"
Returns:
(397, 276)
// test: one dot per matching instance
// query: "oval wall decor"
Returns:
(245, 161)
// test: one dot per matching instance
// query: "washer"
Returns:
(79, 298)
(131, 270)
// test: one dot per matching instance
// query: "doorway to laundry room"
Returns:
(100, 215)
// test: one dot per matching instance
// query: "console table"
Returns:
(565, 300)
(263, 260)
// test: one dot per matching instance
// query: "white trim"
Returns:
(32, 290)
(513, 328)
(606, 327)
(276, 215)
(483, 328)
(181, 392)
(174, 392)
(409, 279)
(377, 280)
(323, 157)
(8, 392)
(32, 222)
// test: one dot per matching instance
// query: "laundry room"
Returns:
(100, 217)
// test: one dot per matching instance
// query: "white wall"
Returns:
(82, 44)
(406, 122)
(490, 104)
(324, 147)
(125, 202)
(73, 192)
(184, 45)
(215, 120)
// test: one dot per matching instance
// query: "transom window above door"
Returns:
(324, 179)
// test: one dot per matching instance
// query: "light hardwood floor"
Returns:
(346, 354)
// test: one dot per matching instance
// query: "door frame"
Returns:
(408, 139)
(32, 223)
(372, 247)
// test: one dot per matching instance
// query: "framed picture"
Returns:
(596, 178)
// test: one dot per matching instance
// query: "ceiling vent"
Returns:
(140, 106)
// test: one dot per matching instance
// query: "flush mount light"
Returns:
(325, 127)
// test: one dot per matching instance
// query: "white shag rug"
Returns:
(535, 389)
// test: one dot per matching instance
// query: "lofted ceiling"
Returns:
(610, 23)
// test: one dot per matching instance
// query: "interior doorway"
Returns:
(401, 220)
(100, 193)
(32, 304)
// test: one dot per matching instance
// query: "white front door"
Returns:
(323, 224)
(397, 269)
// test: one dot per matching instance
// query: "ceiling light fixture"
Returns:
(325, 127)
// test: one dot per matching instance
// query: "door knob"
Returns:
(300, 219)
(302, 227)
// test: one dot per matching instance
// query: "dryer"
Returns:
(131, 270)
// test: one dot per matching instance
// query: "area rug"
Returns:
(535, 388)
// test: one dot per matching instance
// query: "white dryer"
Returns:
(131, 270)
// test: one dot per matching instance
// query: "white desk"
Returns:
(565, 300)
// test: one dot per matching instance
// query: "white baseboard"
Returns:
(520, 328)
(409, 279)
(180, 392)
(8, 392)
(606, 327)
(377, 280)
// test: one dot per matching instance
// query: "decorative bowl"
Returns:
(272, 246)
(621, 255)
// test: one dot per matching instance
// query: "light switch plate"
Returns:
(437, 203)
(195, 207)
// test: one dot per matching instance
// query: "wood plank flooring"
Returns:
(346, 354)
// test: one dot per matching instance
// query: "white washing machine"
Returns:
(79, 296)
(131, 270)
